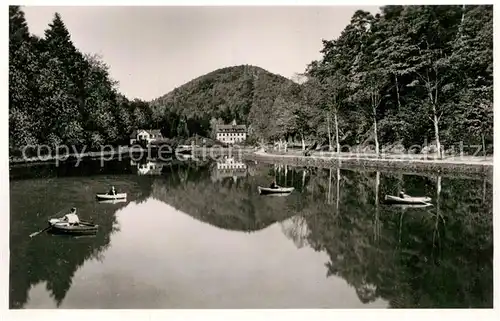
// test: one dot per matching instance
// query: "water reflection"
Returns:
(148, 167)
(331, 243)
(200, 266)
(229, 167)
(53, 259)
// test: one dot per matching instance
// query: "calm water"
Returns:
(194, 236)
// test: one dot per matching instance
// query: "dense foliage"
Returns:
(59, 95)
(407, 75)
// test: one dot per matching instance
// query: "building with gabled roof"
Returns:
(147, 135)
(231, 133)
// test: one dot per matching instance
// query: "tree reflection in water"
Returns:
(54, 259)
(440, 256)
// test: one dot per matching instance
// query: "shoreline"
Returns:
(126, 152)
(67, 158)
(407, 163)
(468, 165)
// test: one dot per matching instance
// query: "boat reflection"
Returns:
(123, 200)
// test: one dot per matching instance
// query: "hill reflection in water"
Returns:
(329, 244)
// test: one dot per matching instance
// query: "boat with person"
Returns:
(68, 224)
(71, 224)
(111, 195)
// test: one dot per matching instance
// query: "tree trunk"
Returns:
(304, 178)
(329, 134)
(460, 28)
(397, 92)
(436, 131)
(337, 134)
(303, 142)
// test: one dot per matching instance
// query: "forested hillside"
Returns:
(59, 95)
(409, 75)
(247, 94)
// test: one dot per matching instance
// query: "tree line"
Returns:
(59, 95)
(408, 74)
(404, 76)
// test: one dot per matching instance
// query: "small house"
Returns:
(147, 135)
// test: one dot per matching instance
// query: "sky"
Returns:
(152, 50)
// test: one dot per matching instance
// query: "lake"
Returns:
(198, 235)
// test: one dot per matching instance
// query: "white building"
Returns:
(147, 135)
(231, 134)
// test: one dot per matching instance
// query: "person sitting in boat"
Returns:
(112, 191)
(71, 218)
(273, 185)
(71, 211)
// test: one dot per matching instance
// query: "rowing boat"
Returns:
(278, 190)
(111, 197)
(389, 199)
(71, 224)
(80, 228)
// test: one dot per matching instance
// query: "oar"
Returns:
(36, 233)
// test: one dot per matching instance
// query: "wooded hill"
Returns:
(408, 75)
(247, 94)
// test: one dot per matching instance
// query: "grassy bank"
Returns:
(467, 165)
